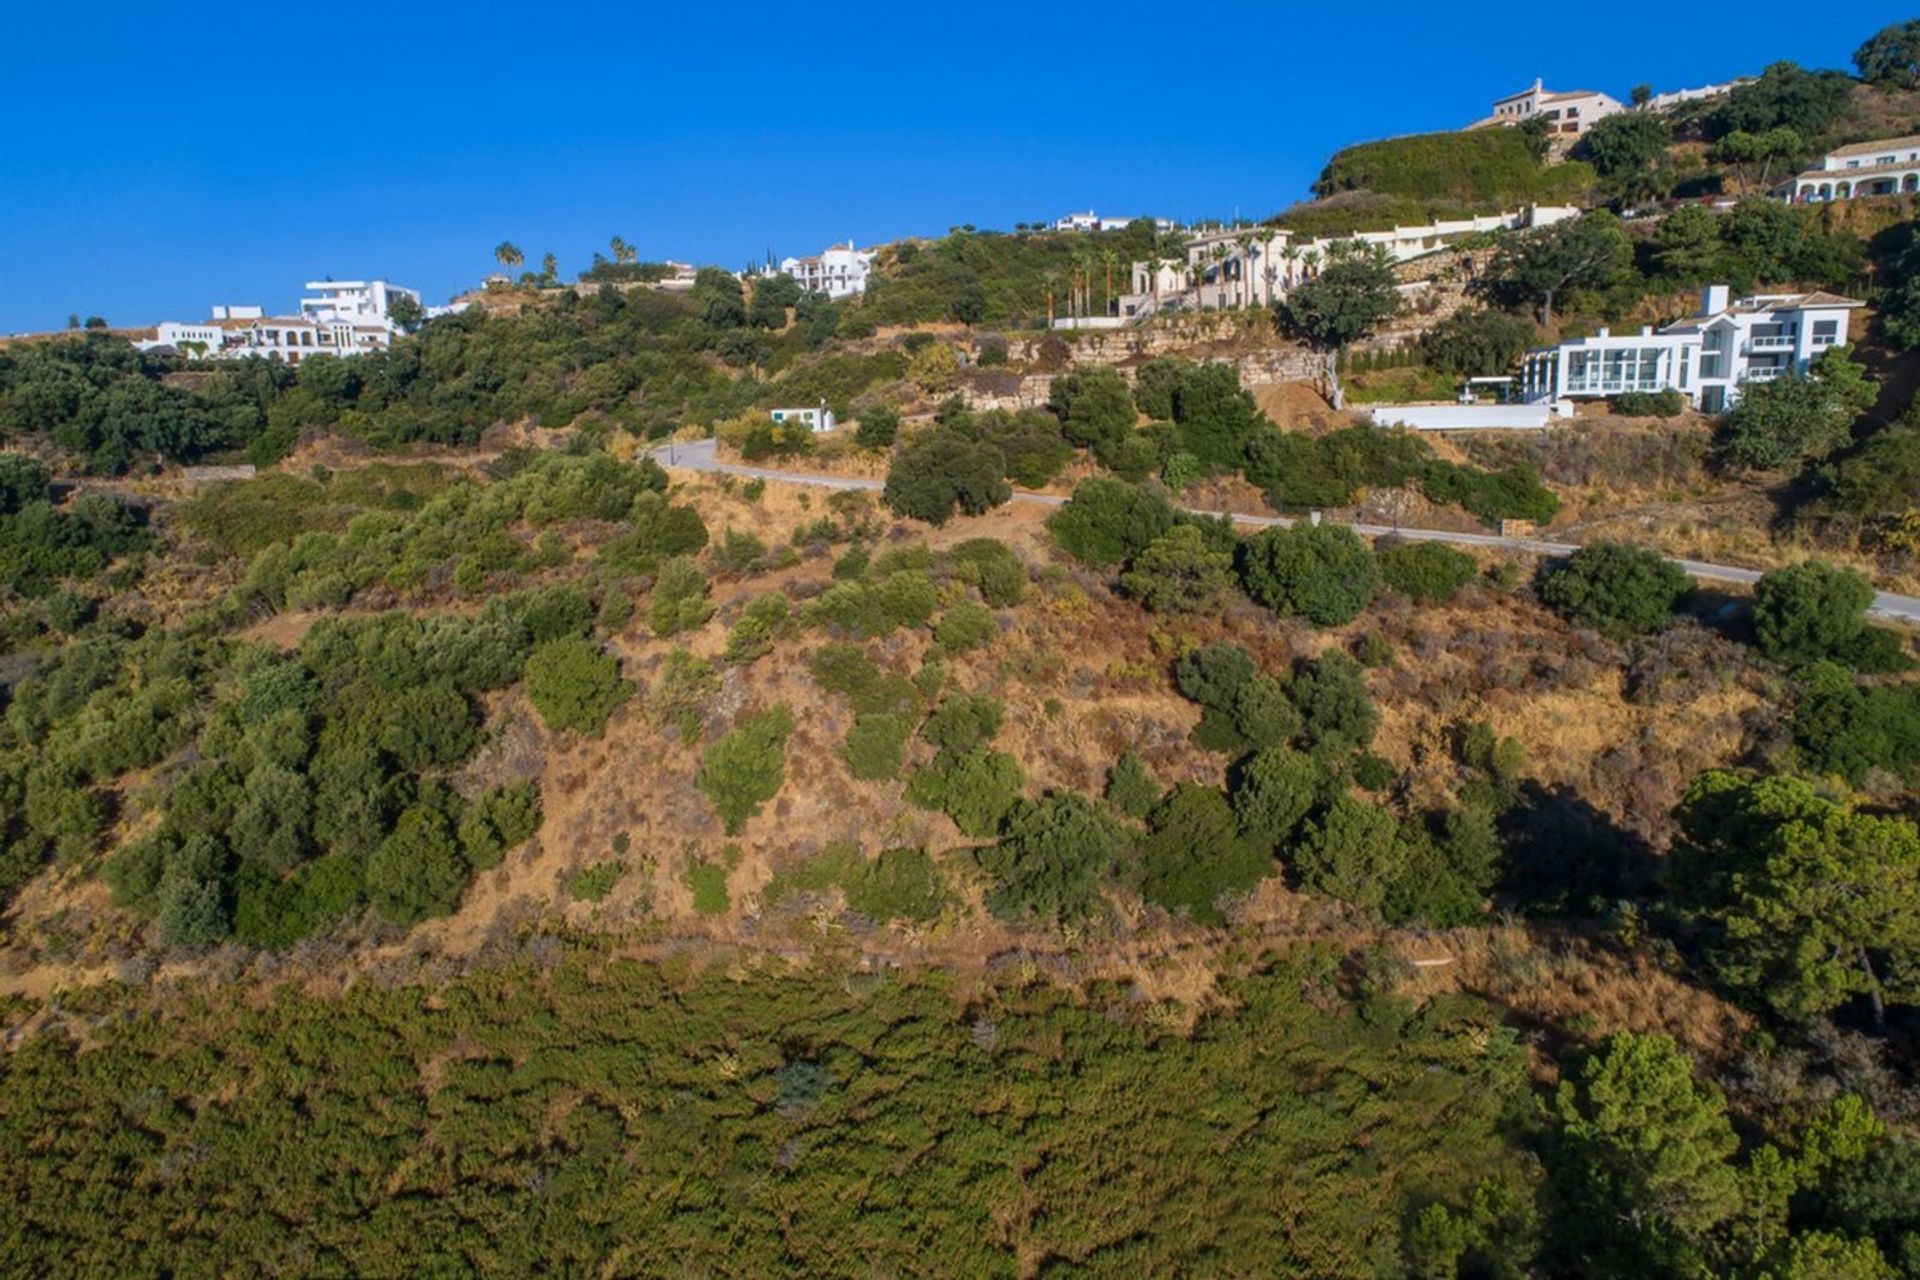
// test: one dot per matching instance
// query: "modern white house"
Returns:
(357, 301)
(1257, 266)
(1885, 168)
(1091, 221)
(1709, 357)
(1568, 114)
(816, 420)
(338, 317)
(839, 271)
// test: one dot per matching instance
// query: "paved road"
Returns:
(699, 455)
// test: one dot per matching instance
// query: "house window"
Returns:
(1826, 333)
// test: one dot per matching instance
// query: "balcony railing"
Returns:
(1782, 343)
(1765, 373)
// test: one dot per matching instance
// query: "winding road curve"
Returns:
(700, 455)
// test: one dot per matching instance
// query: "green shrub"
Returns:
(1108, 521)
(1349, 853)
(1845, 729)
(1426, 572)
(1615, 588)
(1812, 612)
(1476, 342)
(963, 722)
(874, 744)
(745, 767)
(1193, 858)
(900, 884)
(1054, 860)
(1180, 573)
(1650, 404)
(760, 624)
(965, 626)
(879, 427)
(1373, 650)
(499, 819)
(708, 883)
(991, 568)
(679, 602)
(1273, 790)
(573, 685)
(943, 472)
(417, 871)
(1337, 714)
(594, 883)
(1371, 773)
(1323, 573)
(1095, 407)
(1131, 787)
(976, 789)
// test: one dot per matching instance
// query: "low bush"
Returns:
(1650, 404)
(1055, 859)
(1131, 787)
(1615, 588)
(991, 568)
(965, 626)
(977, 789)
(1194, 859)
(874, 744)
(746, 766)
(574, 685)
(1323, 573)
(1109, 521)
(1426, 572)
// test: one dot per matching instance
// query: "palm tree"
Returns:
(550, 267)
(507, 255)
(619, 247)
(1109, 257)
(1051, 279)
(1248, 242)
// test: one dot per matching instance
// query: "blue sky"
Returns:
(156, 162)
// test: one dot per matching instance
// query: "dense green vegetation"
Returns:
(1482, 167)
(595, 1114)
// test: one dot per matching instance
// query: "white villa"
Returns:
(1885, 168)
(1708, 357)
(1677, 97)
(1091, 221)
(1256, 266)
(838, 272)
(1568, 114)
(816, 420)
(338, 317)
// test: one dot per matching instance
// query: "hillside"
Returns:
(553, 818)
(1481, 169)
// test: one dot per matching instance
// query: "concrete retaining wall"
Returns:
(1464, 417)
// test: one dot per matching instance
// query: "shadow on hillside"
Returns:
(1568, 858)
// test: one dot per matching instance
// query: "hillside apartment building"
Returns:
(337, 317)
(1709, 357)
(1884, 168)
